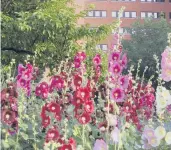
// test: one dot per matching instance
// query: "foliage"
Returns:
(147, 39)
(45, 30)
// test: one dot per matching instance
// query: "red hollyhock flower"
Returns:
(54, 107)
(73, 143)
(115, 68)
(120, 47)
(14, 128)
(57, 83)
(77, 80)
(89, 106)
(13, 103)
(45, 121)
(8, 116)
(52, 135)
(77, 101)
(84, 118)
(117, 94)
(65, 147)
(83, 93)
(42, 90)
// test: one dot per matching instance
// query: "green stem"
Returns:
(83, 137)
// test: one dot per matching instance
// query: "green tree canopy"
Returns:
(148, 38)
(45, 29)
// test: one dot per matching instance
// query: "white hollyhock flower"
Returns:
(115, 135)
(112, 119)
(160, 132)
(168, 138)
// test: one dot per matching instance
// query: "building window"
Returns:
(121, 31)
(97, 13)
(102, 47)
(125, 14)
(152, 0)
(150, 15)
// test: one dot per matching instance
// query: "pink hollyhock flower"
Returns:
(145, 143)
(117, 94)
(115, 68)
(124, 61)
(124, 81)
(153, 141)
(97, 60)
(52, 135)
(166, 58)
(148, 132)
(166, 74)
(77, 62)
(54, 107)
(81, 56)
(115, 135)
(83, 93)
(100, 145)
(115, 56)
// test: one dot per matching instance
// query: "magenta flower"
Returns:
(124, 61)
(97, 60)
(77, 62)
(115, 68)
(124, 81)
(115, 56)
(117, 94)
(100, 145)
(57, 83)
(81, 56)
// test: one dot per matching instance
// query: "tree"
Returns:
(147, 39)
(46, 30)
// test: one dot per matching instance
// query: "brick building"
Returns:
(106, 11)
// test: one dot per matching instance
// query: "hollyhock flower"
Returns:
(77, 80)
(166, 58)
(65, 147)
(112, 119)
(13, 103)
(148, 132)
(45, 121)
(21, 69)
(97, 60)
(84, 118)
(52, 135)
(153, 141)
(77, 101)
(124, 81)
(166, 74)
(56, 83)
(8, 116)
(117, 94)
(77, 62)
(115, 56)
(102, 126)
(115, 135)
(145, 144)
(115, 68)
(168, 138)
(81, 56)
(89, 106)
(73, 143)
(83, 93)
(54, 107)
(14, 128)
(42, 90)
(160, 132)
(120, 47)
(100, 145)
(124, 61)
